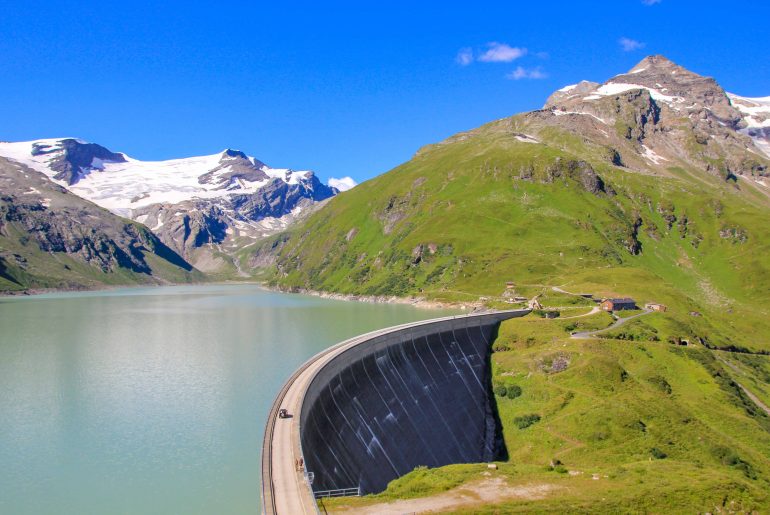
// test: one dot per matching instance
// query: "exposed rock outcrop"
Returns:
(40, 221)
(73, 159)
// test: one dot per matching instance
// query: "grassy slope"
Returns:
(488, 227)
(607, 412)
(603, 416)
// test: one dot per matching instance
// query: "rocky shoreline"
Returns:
(419, 302)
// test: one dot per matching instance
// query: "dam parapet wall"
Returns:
(414, 396)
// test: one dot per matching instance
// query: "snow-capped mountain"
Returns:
(756, 115)
(217, 200)
(662, 115)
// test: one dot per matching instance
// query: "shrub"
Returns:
(730, 458)
(501, 390)
(658, 454)
(514, 391)
(661, 384)
(525, 421)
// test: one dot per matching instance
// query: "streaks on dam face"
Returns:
(419, 396)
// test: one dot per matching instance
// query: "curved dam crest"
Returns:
(409, 397)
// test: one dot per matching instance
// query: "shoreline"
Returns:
(418, 302)
(32, 292)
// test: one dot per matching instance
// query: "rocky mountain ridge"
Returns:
(202, 207)
(52, 238)
(660, 115)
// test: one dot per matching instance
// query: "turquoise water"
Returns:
(153, 400)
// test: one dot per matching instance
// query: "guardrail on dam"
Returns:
(373, 408)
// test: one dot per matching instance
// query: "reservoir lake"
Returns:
(154, 400)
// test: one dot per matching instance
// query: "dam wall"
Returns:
(419, 395)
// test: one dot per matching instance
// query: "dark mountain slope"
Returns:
(51, 238)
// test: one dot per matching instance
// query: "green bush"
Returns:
(658, 454)
(501, 390)
(661, 384)
(525, 421)
(514, 391)
(730, 458)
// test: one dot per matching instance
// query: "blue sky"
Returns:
(340, 88)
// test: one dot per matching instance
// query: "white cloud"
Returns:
(343, 184)
(650, 2)
(629, 45)
(524, 73)
(464, 57)
(501, 53)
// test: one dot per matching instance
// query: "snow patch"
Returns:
(558, 112)
(760, 137)
(566, 89)
(756, 114)
(756, 111)
(526, 138)
(615, 88)
(97, 164)
(652, 156)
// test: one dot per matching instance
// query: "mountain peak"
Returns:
(658, 62)
(229, 152)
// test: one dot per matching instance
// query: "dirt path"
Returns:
(594, 310)
(748, 392)
(619, 322)
(486, 491)
(574, 444)
(559, 290)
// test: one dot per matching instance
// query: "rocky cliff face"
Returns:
(661, 116)
(228, 222)
(73, 159)
(50, 237)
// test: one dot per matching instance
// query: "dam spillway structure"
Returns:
(419, 395)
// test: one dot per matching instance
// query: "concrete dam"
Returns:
(420, 396)
(373, 408)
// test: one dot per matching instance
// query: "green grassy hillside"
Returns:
(612, 426)
(464, 217)
(663, 414)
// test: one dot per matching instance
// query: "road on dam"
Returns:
(285, 487)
